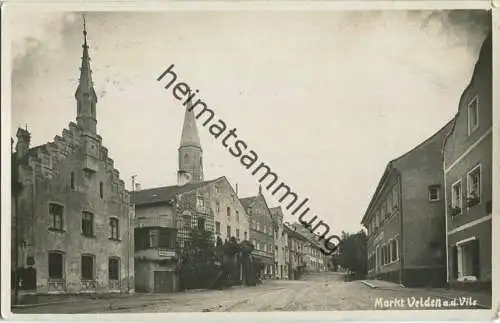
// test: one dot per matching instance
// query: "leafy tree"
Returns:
(353, 253)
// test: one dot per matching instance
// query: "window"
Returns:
(217, 207)
(201, 223)
(245, 235)
(113, 268)
(258, 225)
(383, 213)
(434, 193)
(228, 211)
(88, 267)
(114, 228)
(228, 231)
(456, 197)
(56, 216)
(388, 204)
(394, 250)
(200, 202)
(101, 190)
(87, 224)
(473, 114)
(237, 234)
(186, 159)
(249, 210)
(395, 197)
(153, 238)
(217, 227)
(72, 175)
(474, 186)
(237, 216)
(56, 265)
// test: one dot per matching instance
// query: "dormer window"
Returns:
(473, 114)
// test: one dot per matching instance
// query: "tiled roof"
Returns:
(166, 193)
(248, 201)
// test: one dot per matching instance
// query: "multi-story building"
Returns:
(166, 215)
(280, 244)
(296, 247)
(261, 232)
(468, 181)
(72, 214)
(315, 258)
(155, 237)
(404, 218)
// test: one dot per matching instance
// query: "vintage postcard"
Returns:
(250, 161)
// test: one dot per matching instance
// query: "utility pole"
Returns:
(132, 205)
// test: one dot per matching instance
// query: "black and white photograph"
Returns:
(200, 160)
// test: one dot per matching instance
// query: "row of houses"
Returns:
(429, 221)
(77, 229)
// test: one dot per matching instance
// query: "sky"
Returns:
(326, 99)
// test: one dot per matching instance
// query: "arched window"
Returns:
(186, 158)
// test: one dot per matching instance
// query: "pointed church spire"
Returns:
(190, 152)
(85, 94)
(189, 135)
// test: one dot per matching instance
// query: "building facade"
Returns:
(155, 234)
(280, 244)
(261, 232)
(296, 246)
(404, 218)
(72, 213)
(165, 216)
(468, 181)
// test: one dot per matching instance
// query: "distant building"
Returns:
(404, 219)
(296, 246)
(468, 181)
(261, 232)
(280, 244)
(315, 259)
(71, 214)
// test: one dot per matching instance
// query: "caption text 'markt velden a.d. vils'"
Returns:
(249, 158)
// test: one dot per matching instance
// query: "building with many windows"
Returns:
(280, 244)
(297, 243)
(404, 218)
(165, 216)
(262, 231)
(71, 211)
(468, 172)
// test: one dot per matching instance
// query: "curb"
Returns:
(368, 284)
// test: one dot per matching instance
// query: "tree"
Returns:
(353, 253)
(197, 260)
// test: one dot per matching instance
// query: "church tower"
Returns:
(190, 152)
(86, 98)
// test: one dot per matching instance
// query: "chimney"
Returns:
(137, 186)
(23, 142)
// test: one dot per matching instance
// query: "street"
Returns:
(315, 292)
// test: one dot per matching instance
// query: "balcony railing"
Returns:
(157, 221)
(202, 209)
(56, 285)
(88, 285)
(114, 284)
(156, 253)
